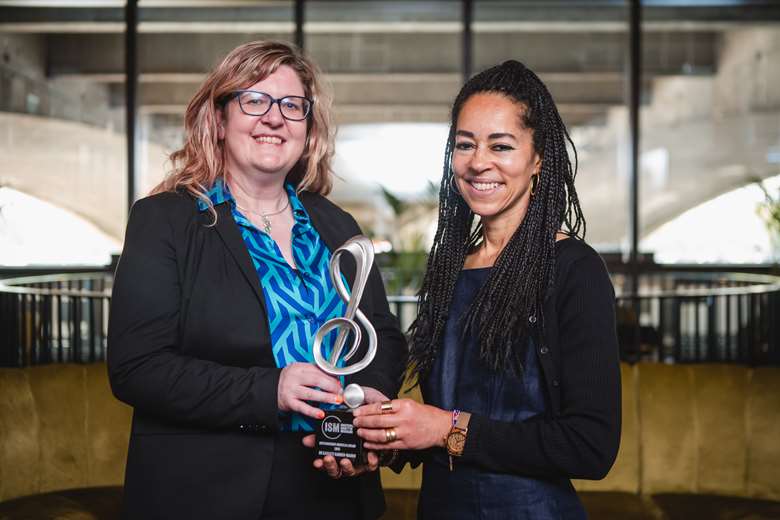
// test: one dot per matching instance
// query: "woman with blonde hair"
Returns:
(221, 287)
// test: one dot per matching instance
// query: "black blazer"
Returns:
(579, 436)
(189, 348)
(577, 349)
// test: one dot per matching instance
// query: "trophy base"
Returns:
(336, 436)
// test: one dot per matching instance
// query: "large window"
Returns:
(178, 44)
(581, 53)
(709, 107)
(62, 151)
(395, 68)
(710, 128)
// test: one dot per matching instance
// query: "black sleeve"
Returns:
(582, 441)
(412, 457)
(145, 365)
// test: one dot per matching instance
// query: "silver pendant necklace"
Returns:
(264, 216)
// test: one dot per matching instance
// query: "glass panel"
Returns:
(710, 128)
(395, 68)
(178, 44)
(580, 52)
(62, 180)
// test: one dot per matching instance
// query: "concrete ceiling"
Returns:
(387, 61)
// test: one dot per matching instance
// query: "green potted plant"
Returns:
(769, 210)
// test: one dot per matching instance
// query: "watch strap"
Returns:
(462, 421)
(459, 428)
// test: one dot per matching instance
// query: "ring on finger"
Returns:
(386, 407)
(390, 434)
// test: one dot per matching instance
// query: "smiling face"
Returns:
(264, 148)
(494, 157)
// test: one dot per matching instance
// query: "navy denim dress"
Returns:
(460, 380)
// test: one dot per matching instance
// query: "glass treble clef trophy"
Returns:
(335, 434)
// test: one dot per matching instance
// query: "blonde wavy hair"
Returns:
(201, 161)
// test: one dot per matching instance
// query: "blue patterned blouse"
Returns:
(297, 300)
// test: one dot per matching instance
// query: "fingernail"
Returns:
(321, 415)
(338, 399)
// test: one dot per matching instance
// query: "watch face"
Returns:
(456, 440)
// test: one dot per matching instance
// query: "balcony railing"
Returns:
(701, 317)
(54, 318)
(684, 316)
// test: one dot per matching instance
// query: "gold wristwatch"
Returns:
(456, 438)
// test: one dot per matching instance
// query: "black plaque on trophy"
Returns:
(337, 437)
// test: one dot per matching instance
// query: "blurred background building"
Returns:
(709, 105)
(674, 107)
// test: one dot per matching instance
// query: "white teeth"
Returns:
(268, 139)
(484, 186)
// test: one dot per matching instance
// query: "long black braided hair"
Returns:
(511, 300)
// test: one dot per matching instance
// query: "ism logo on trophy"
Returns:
(335, 435)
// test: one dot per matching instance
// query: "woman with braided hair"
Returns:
(514, 346)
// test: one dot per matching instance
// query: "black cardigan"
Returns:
(189, 348)
(578, 353)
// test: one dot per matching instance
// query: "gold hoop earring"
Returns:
(534, 183)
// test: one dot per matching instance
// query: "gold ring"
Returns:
(386, 407)
(390, 434)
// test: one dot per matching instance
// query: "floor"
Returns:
(104, 503)
(401, 505)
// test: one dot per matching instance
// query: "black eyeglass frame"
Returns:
(274, 101)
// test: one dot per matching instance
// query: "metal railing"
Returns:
(702, 317)
(685, 316)
(54, 319)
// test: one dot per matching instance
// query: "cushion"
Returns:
(98, 503)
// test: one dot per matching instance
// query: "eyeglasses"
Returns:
(255, 103)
